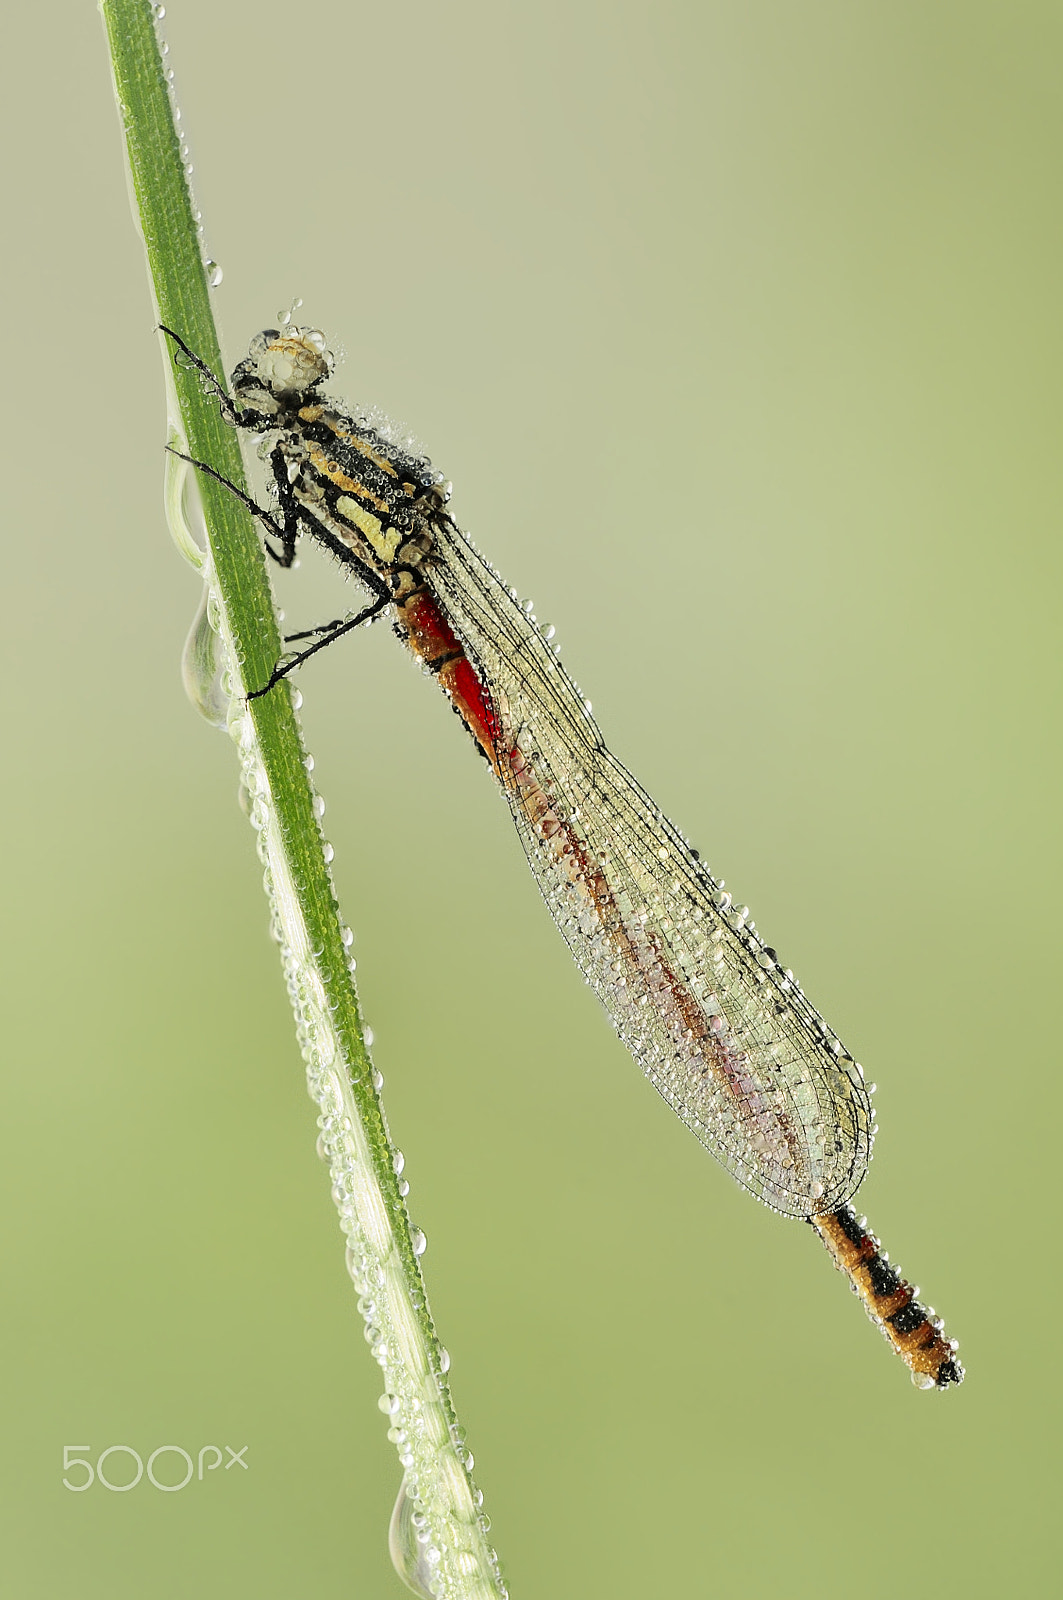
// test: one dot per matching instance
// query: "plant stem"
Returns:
(438, 1534)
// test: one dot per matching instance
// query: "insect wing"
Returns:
(723, 1034)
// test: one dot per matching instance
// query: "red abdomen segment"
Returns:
(434, 642)
(912, 1329)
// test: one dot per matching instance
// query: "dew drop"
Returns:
(369, 1036)
(444, 1359)
(408, 1554)
(214, 272)
(328, 852)
(419, 1241)
(398, 1161)
(203, 666)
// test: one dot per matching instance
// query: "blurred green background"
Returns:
(737, 327)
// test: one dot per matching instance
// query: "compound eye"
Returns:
(261, 342)
(317, 341)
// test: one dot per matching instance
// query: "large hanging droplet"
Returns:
(409, 1550)
(205, 667)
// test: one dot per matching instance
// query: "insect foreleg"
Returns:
(229, 410)
(250, 417)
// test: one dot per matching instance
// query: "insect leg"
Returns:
(229, 410)
(331, 631)
(284, 532)
(291, 511)
(312, 633)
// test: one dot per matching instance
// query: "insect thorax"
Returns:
(376, 497)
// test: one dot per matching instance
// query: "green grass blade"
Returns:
(438, 1541)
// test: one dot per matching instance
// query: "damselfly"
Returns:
(720, 1028)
